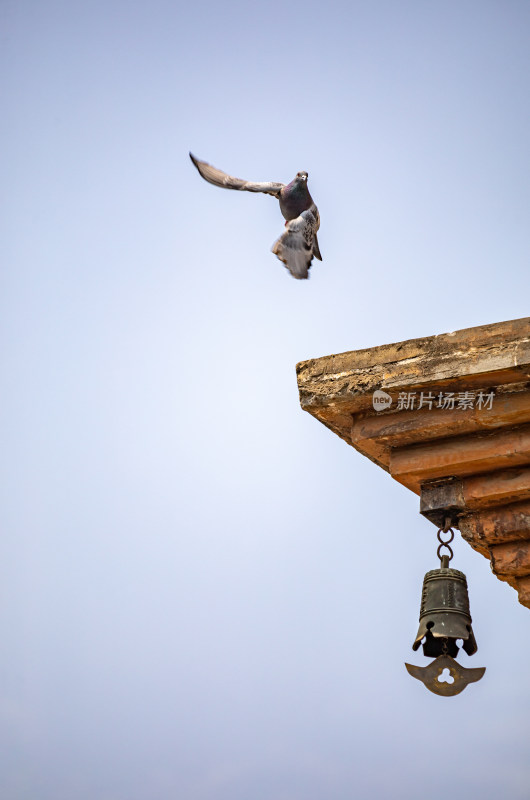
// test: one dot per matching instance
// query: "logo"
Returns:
(381, 400)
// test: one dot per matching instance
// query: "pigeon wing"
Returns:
(219, 178)
(297, 246)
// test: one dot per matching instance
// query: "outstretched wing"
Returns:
(219, 178)
(297, 246)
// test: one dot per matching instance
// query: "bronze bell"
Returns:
(444, 619)
(444, 613)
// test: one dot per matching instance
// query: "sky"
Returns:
(205, 594)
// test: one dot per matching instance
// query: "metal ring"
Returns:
(443, 544)
(439, 535)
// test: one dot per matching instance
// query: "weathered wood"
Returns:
(498, 525)
(511, 560)
(456, 497)
(469, 463)
(442, 501)
(496, 488)
(460, 455)
(489, 355)
(399, 428)
(523, 588)
(375, 433)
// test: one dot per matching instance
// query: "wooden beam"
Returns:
(460, 455)
(511, 560)
(489, 355)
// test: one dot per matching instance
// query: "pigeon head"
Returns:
(301, 177)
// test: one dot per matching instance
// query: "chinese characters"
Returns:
(408, 401)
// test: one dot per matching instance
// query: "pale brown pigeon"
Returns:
(298, 244)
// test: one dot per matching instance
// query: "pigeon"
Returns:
(298, 244)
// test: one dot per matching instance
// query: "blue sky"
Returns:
(204, 593)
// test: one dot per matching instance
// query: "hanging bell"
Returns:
(444, 621)
(444, 613)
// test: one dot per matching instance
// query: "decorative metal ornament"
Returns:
(445, 620)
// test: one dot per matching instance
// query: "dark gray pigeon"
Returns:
(298, 244)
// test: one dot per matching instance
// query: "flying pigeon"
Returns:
(298, 244)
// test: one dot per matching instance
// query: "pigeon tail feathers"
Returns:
(316, 248)
(295, 247)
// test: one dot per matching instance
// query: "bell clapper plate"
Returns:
(430, 675)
